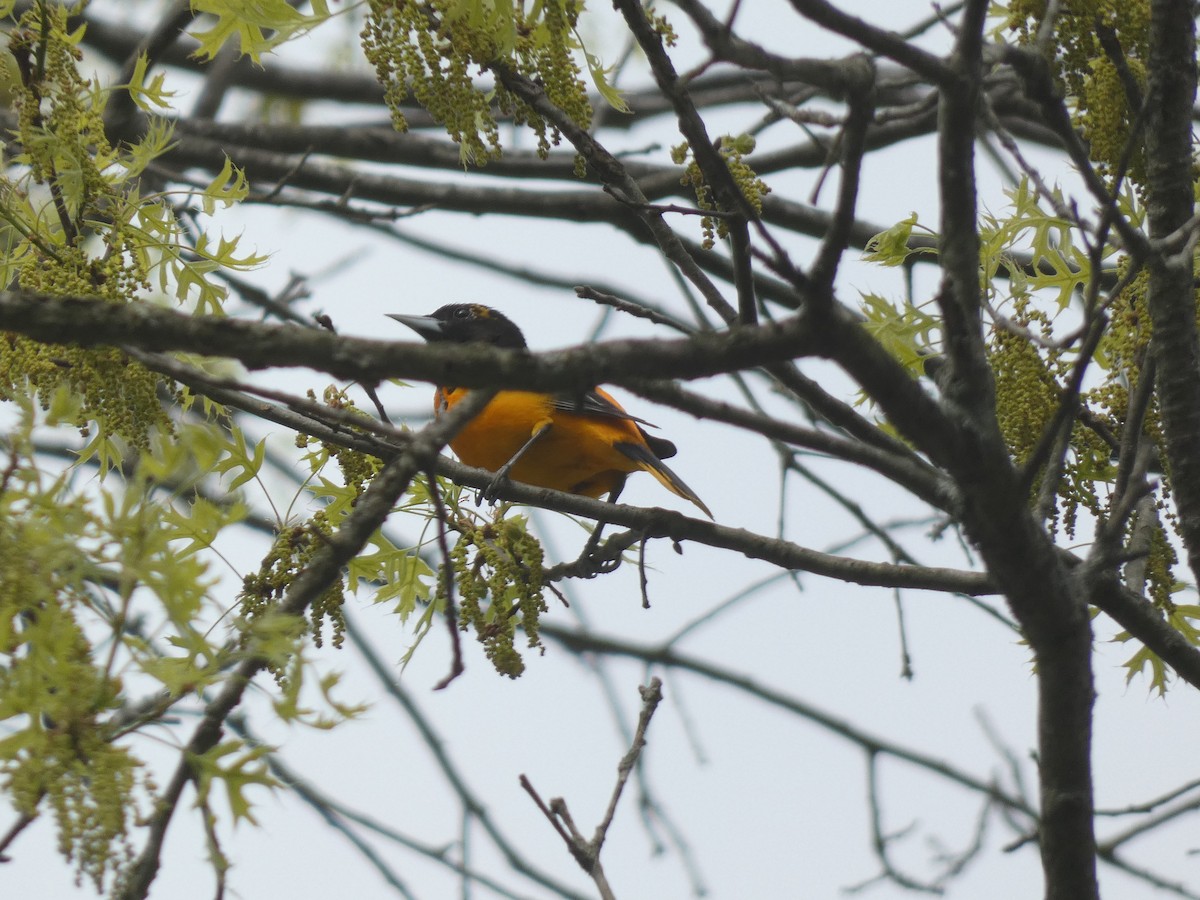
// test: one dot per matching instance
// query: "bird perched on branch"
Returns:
(583, 444)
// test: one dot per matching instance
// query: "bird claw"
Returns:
(593, 559)
(490, 494)
(602, 566)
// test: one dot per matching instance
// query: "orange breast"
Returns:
(576, 455)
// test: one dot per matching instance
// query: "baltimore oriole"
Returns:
(582, 444)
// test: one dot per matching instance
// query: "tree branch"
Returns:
(673, 659)
(585, 852)
(1171, 292)
(339, 548)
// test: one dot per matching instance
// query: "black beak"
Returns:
(426, 326)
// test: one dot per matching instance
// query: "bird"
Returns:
(579, 443)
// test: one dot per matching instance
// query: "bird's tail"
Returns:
(642, 455)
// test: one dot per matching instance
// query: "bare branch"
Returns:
(1171, 290)
(585, 852)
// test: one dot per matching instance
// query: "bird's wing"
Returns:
(593, 403)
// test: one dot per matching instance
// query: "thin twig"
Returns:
(451, 613)
(585, 852)
(23, 822)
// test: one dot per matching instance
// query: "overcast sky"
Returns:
(770, 805)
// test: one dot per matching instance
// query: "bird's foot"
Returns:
(601, 565)
(491, 494)
(595, 558)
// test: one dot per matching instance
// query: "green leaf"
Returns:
(103, 449)
(1137, 664)
(288, 708)
(907, 334)
(156, 140)
(200, 523)
(239, 457)
(1183, 618)
(250, 21)
(148, 97)
(600, 79)
(221, 190)
(890, 248)
(179, 674)
(398, 573)
(236, 772)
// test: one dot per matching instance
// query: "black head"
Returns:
(464, 323)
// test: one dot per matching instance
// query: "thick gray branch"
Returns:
(1171, 293)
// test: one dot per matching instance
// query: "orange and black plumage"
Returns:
(585, 444)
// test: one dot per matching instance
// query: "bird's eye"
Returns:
(463, 312)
